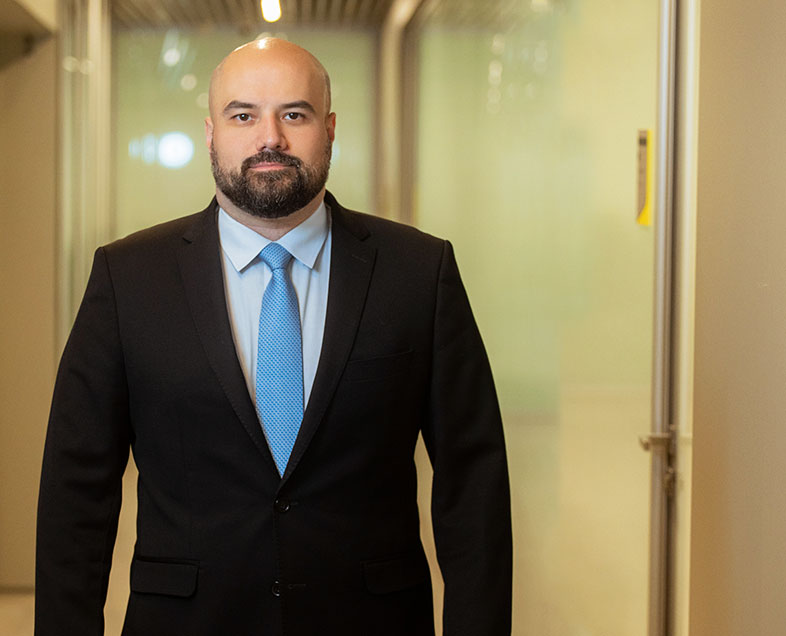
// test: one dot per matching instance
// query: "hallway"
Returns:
(515, 131)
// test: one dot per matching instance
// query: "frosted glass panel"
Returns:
(160, 86)
(526, 160)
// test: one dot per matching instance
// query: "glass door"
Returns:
(526, 157)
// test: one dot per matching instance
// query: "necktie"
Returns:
(279, 378)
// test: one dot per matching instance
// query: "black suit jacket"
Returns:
(226, 546)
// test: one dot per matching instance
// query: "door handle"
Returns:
(655, 440)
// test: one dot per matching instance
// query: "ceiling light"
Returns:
(271, 10)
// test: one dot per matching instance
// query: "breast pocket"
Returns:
(378, 368)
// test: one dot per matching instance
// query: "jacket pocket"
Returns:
(395, 574)
(378, 368)
(171, 578)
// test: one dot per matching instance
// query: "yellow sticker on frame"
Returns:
(645, 178)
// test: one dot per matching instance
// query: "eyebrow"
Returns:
(236, 104)
(299, 104)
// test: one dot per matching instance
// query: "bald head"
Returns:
(269, 52)
(270, 133)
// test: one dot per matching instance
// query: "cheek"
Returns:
(230, 142)
(230, 151)
(314, 147)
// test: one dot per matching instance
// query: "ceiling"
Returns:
(503, 15)
(365, 14)
(246, 14)
(17, 18)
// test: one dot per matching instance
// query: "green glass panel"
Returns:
(526, 155)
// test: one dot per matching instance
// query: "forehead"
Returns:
(267, 78)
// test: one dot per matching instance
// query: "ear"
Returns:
(330, 124)
(209, 133)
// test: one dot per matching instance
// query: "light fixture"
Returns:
(271, 10)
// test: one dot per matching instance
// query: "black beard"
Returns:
(273, 194)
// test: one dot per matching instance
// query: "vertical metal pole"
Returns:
(85, 148)
(661, 377)
(390, 145)
(683, 308)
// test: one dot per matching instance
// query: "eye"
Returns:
(293, 116)
(242, 117)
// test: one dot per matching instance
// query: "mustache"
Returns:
(270, 156)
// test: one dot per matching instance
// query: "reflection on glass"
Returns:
(526, 160)
(175, 150)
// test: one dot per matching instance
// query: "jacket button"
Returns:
(282, 505)
(276, 588)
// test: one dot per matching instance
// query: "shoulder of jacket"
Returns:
(162, 234)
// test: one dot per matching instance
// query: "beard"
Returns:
(274, 194)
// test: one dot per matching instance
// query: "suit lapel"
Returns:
(351, 265)
(199, 258)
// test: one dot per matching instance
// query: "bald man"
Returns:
(271, 361)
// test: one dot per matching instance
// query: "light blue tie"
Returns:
(279, 381)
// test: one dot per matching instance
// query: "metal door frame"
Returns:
(672, 377)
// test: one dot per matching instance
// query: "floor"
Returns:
(16, 614)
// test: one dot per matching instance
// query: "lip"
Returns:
(269, 166)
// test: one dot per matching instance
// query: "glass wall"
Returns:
(525, 156)
(526, 159)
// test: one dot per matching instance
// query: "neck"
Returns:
(271, 229)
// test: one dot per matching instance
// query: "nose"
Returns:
(271, 134)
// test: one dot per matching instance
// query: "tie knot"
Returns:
(275, 256)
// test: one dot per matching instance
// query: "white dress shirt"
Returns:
(246, 277)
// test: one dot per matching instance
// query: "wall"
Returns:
(738, 564)
(44, 11)
(27, 281)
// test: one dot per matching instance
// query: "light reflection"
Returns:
(540, 64)
(175, 54)
(171, 57)
(149, 148)
(495, 72)
(188, 82)
(172, 150)
(71, 64)
(498, 44)
(175, 150)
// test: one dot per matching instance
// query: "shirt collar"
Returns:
(242, 245)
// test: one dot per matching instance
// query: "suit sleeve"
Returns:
(470, 492)
(85, 455)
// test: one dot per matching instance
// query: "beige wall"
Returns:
(45, 11)
(27, 281)
(738, 565)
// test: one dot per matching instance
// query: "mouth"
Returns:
(267, 166)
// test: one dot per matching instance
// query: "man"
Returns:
(257, 516)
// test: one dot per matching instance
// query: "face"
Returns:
(269, 134)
